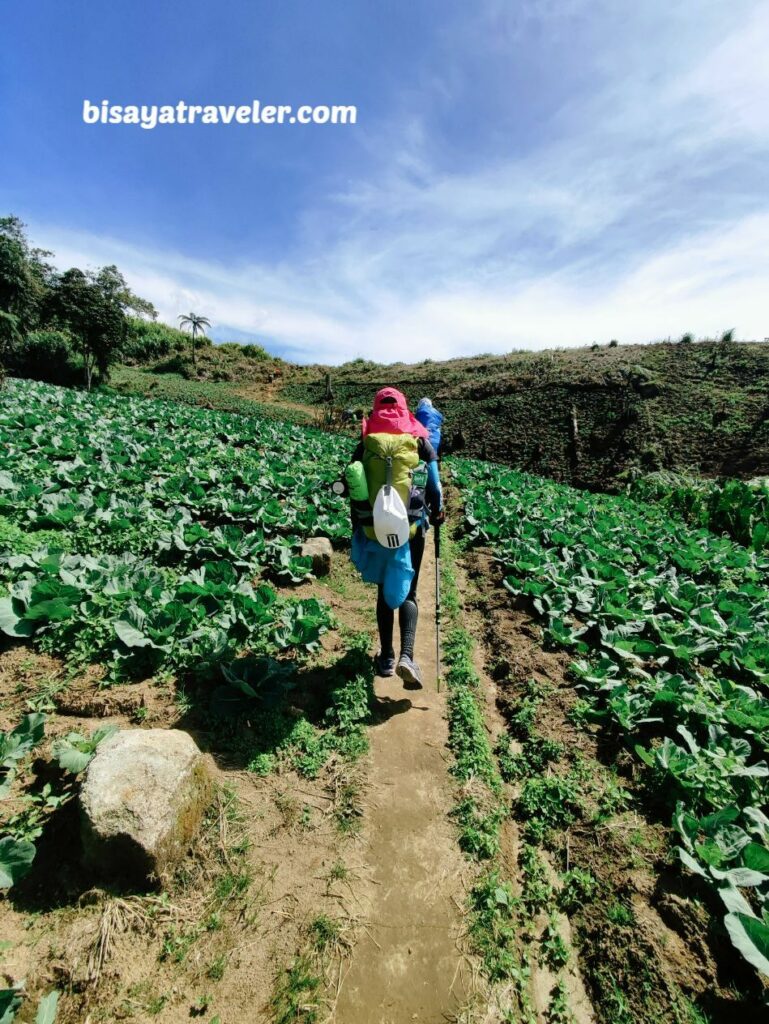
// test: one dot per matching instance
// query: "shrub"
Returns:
(256, 352)
(613, 343)
(147, 340)
(230, 348)
(176, 364)
(47, 356)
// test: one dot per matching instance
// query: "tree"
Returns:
(195, 323)
(9, 337)
(114, 286)
(24, 274)
(94, 317)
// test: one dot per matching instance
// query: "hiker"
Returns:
(390, 523)
(432, 419)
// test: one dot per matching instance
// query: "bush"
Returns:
(256, 352)
(147, 340)
(48, 356)
(230, 348)
(178, 363)
(613, 343)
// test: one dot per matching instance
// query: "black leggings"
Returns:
(408, 613)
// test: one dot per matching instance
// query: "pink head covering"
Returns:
(391, 416)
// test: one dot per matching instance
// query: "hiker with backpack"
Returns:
(395, 493)
(432, 420)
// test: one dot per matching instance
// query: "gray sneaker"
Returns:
(409, 672)
(384, 665)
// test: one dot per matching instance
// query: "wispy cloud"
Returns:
(640, 212)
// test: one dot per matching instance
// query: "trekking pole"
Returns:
(438, 605)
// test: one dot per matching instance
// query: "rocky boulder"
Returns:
(320, 551)
(141, 803)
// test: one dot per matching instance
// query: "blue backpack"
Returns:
(432, 420)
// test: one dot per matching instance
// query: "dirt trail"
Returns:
(407, 964)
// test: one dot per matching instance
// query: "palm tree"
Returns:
(196, 323)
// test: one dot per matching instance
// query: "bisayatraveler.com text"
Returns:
(151, 116)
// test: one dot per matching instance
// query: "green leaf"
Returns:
(130, 635)
(741, 877)
(70, 758)
(46, 1008)
(16, 858)
(756, 857)
(10, 1001)
(73, 751)
(10, 623)
(688, 861)
(751, 937)
(7, 782)
(734, 901)
(27, 734)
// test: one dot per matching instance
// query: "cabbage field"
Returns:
(613, 733)
(668, 626)
(145, 535)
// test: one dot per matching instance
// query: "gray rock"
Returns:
(141, 803)
(320, 551)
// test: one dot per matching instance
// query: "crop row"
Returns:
(737, 508)
(669, 627)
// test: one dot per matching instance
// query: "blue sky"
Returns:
(522, 174)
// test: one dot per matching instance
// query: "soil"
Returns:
(395, 892)
(668, 954)
(408, 964)
(481, 619)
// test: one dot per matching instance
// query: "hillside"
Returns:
(702, 406)
(590, 417)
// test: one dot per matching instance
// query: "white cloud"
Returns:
(712, 280)
(609, 229)
(732, 82)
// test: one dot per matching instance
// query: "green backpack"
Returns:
(394, 459)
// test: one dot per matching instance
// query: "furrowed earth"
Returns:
(568, 822)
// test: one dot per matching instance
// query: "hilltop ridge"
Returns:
(592, 416)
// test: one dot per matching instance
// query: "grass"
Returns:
(297, 993)
(535, 756)
(324, 932)
(479, 814)
(215, 882)
(549, 802)
(217, 967)
(209, 393)
(478, 830)
(347, 808)
(620, 914)
(494, 929)
(494, 913)
(578, 888)
(296, 996)
(537, 893)
(339, 872)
